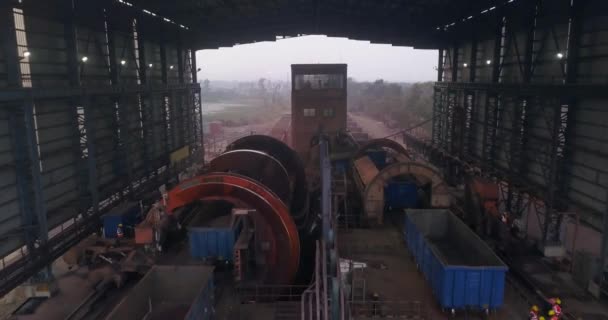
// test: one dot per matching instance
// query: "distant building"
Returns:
(318, 103)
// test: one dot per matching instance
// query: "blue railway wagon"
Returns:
(464, 273)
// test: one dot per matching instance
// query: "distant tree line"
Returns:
(397, 104)
(263, 92)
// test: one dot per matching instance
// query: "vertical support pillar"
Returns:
(163, 55)
(550, 225)
(325, 188)
(19, 145)
(141, 47)
(529, 49)
(71, 41)
(8, 41)
(193, 64)
(325, 214)
(496, 56)
(455, 63)
(198, 100)
(604, 245)
(473, 62)
(440, 66)
(112, 50)
(91, 151)
(574, 40)
(34, 156)
(88, 165)
(180, 61)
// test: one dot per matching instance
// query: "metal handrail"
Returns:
(271, 292)
(396, 308)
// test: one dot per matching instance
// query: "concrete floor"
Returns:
(392, 273)
(74, 285)
(587, 240)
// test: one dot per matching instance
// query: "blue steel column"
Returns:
(25, 202)
(74, 76)
(8, 42)
(32, 144)
(325, 188)
(91, 159)
(329, 233)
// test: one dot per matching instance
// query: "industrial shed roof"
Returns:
(217, 23)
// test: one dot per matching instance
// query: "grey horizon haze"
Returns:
(272, 60)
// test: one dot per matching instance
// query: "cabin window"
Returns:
(310, 112)
(328, 112)
(319, 81)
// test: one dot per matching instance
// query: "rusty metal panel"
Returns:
(366, 169)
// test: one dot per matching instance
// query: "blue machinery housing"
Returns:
(212, 242)
(463, 271)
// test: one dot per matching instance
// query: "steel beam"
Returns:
(163, 55)
(141, 48)
(35, 167)
(180, 61)
(19, 146)
(193, 64)
(455, 63)
(92, 185)
(530, 38)
(473, 61)
(18, 94)
(496, 56)
(440, 66)
(325, 166)
(574, 41)
(540, 90)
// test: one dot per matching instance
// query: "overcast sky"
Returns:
(272, 60)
